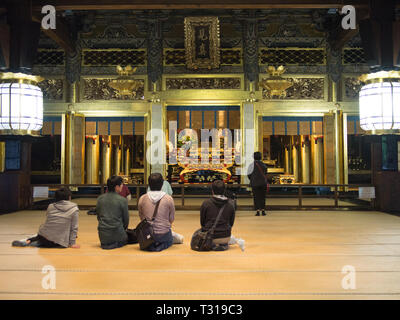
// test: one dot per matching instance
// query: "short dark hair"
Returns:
(257, 155)
(113, 182)
(156, 181)
(218, 187)
(63, 194)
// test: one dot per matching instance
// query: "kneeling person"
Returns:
(209, 210)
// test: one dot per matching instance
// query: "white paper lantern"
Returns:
(21, 106)
(379, 102)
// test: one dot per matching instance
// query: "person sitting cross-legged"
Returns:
(112, 216)
(163, 235)
(61, 227)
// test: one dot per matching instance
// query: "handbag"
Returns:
(144, 231)
(203, 240)
(265, 176)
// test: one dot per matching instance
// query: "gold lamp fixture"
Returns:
(125, 85)
(275, 84)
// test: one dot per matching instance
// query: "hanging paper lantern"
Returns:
(380, 102)
(21, 103)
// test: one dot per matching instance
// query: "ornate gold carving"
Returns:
(302, 89)
(275, 84)
(125, 85)
(202, 83)
(202, 42)
(99, 89)
(352, 87)
(53, 89)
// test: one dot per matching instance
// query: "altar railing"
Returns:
(190, 196)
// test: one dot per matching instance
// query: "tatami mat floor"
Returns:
(289, 255)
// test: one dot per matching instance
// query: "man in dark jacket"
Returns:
(112, 215)
(208, 214)
(257, 176)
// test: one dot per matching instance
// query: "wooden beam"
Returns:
(60, 34)
(194, 4)
(346, 35)
(5, 43)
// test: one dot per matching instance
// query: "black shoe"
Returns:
(258, 214)
(263, 213)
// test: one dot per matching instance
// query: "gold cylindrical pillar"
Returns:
(295, 158)
(2, 156)
(305, 160)
(318, 160)
(106, 159)
(127, 161)
(92, 159)
(117, 159)
(287, 160)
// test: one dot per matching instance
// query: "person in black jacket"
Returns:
(257, 176)
(208, 214)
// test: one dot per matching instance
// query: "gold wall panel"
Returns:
(267, 128)
(234, 119)
(127, 128)
(90, 127)
(115, 128)
(102, 128)
(57, 128)
(197, 119)
(350, 127)
(279, 127)
(317, 128)
(139, 127)
(304, 127)
(209, 119)
(291, 128)
(184, 119)
(172, 115)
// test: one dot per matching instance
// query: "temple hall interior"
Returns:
(191, 89)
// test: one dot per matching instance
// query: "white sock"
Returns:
(240, 242)
(232, 240)
(178, 238)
